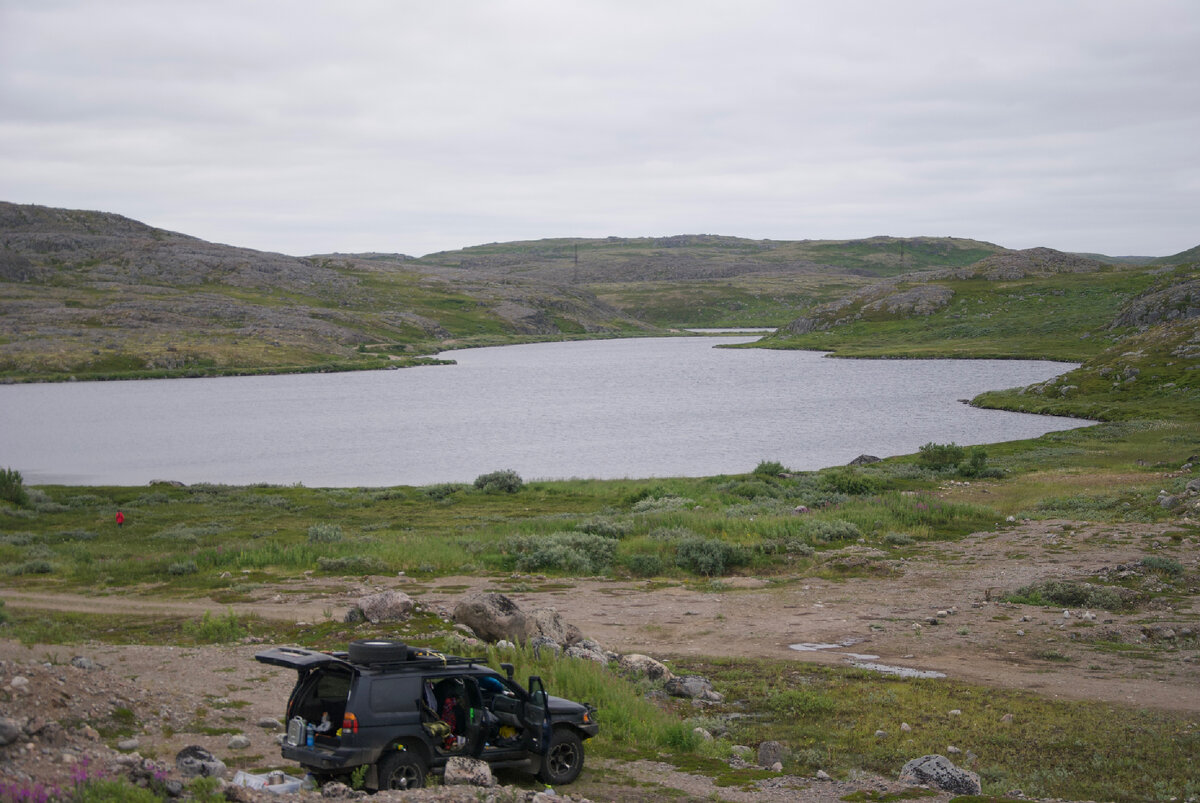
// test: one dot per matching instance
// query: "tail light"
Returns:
(349, 723)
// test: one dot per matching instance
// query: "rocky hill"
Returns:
(93, 294)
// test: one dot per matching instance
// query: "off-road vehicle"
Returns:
(403, 712)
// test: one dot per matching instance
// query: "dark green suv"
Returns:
(403, 712)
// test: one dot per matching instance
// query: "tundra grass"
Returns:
(828, 719)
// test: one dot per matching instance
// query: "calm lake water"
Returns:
(603, 409)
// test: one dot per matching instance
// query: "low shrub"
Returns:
(3, 613)
(769, 468)
(801, 703)
(1163, 565)
(849, 481)
(658, 504)
(898, 539)
(215, 629)
(443, 490)
(18, 539)
(507, 481)
(1068, 594)
(569, 552)
(786, 546)
(644, 565)
(324, 533)
(30, 567)
(826, 532)
(751, 489)
(183, 567)
(605, 526)
(672, 533)
(708, 556)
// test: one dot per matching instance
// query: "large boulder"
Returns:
(10, 730)
(386, 606)
(463, 771)
(644, 665)
(194, 761)
(939, 771)
(492, 617)
(770, 753)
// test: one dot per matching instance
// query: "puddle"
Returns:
(860, 656)
(899, 671)
(809, 646)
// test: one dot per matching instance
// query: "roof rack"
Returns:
(427, 661)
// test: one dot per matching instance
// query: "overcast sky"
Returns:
(388, 125)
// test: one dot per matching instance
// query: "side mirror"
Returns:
(508, 670)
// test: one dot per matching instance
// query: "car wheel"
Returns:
(563, 761)
(377, 651)
(401, 769)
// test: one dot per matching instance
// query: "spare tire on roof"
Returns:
(377, 651)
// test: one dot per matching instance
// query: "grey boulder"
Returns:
(939, 771)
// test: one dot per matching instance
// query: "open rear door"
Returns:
(296, 658)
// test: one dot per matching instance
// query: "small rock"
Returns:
(239, 741)
(89, 733)
(939, 771)
(740, 750)
(1006, 718)
(952, 750)
(777, 766)
(505, 644)
(544, 646)
(125, 745)
(270, 724)
(904, 726)
(636, 664)
(955, 712)
(822, 775)
(19, 683)
(880, 734)
(703, 734)
(83, 662)
(10, 730)
(194, 760)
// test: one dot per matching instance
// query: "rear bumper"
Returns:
(327, 759)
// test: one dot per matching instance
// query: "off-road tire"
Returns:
(377, 651)
(401, 769)
(563, 760)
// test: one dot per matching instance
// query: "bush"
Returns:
(644, 565)
(751, 489)
(1163, 565)
(324, 533)
(31, 567)
(572, 553)
(1067, 594)
(658, 504)
(825, 532)
(939, 456)
(12, 487)
(183, 567)
(507, 481)
(672, 533)
(215, 629)
(3, 613)
(708, 556)
(897, 539)
(603, 525)
(848, 481)
(769, 468)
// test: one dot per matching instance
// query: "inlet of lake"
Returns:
(644, 407)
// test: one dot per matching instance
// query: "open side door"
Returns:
(536, 717)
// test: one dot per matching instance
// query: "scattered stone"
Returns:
(83, 662)
(89, 733)
(10, 731)
(339, 791)
(239, 741)
(126, 745)
(880, 734)
(703, 734)
(505, 644)
(354, 616)
(955, 712)
(695, 687)
(741, 750)
(194, 761)
(770, 753)
(864, 460)
(939, 771)
(585, 654)
(822, 775)
(269, 724)
(19, 683)
(904, 726)
(386, 606)
(463, 771)
(545, 644)
(1006, 718)
(952, 750)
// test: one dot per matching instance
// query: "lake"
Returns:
(599, 409)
